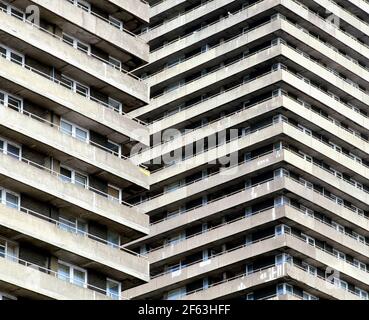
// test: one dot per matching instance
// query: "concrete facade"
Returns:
(259, 150)
(66, 87)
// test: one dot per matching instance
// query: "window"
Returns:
(10, 148)
(338, 227)
(116, 105)
(116, 22)
(12, 10)
(282, 229)
(12, 55)
(115, 148)
(4, 296)
(11, 101)
(176, 294)
(84, 5)
(340, 255)
(77, 44)
(360, 265)
(308, 296)
(72, 176)
(175, 239)
(284, 288)
(113, 239)
(281, 201)
(283, 258)
(358, 237)
(340, 283)
(113, 289)
(279, 173)
(9, 249)
(310, 269)
(361, 293)
(10, 199)
(74, 130)
(307, 211)
(305, 130)
(117, 64)
(250, 296)
(249, 269)
(72, 224)
(75, 86)
(114, 193)
(72, 274)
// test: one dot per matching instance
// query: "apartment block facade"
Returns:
(258, 118)
(184, 149)
(66, 88)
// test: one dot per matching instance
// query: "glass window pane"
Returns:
(113, 238)
(83, 47)
(12, 201)
(3, 52)
(63, 272)
(81, 179)
(116, 105)
(81, 134)
(113, 289)
(66, 128)
(13, 151)
(18, 59)
(14, 103)
(67, 39)
(79, 277)
(82, 90)
(17, 13)
(65, 174)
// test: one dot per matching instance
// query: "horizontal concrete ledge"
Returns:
(53, 138)
(50, 186)
(121, 264)
(62, 97)
(132, 87)
(98, 27)
(39, 284)
(138, 8)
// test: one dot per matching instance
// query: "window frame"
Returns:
(73, 176)
(107, 289)
(9, 51)
(74, 130)
(71, 273)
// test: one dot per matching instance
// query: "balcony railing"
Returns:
(61, 83)
(57, 275)
(68, 228)
(65, 179)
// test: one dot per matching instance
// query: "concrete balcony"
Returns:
(88, 69)
(21, 177)
(185, 20)
(96, 27)
(78, 249)
(256, 137)
(250, 114)
(64, 147)
(235, 229)
(71, 105)
(138, 8)
(236, 286)
(167, 281)
(188, 42)
(31, 283)
(224, 205)
(214, 55)
(201, 85)
(341, 162)
(336, 36)
(215, 182)
(163, 6)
